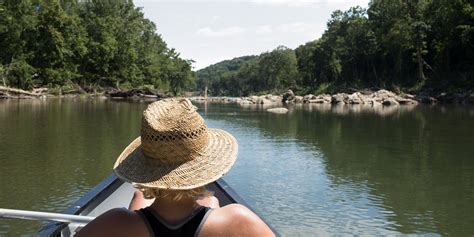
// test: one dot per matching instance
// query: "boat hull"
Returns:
(114, 193)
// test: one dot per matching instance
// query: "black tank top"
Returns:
(189, 227)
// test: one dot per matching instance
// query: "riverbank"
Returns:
(141, 93)
(373, 98)
(366, 97)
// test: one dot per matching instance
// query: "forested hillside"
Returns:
(410, 45)
(87, 43)
(220, 77)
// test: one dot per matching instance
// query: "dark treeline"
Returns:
(408, 44)
(86, 43)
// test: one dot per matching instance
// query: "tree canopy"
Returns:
(87, 43)
(414, 44)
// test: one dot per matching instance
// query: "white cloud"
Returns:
(289, 3)
(229, 31)
(307, 3)
(309, 29)
(263, 29)
(300, 28)
(267, 40)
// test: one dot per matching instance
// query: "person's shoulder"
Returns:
(235, 220)
(238, 212)
(115, 222)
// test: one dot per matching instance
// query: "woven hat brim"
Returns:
(208, 166)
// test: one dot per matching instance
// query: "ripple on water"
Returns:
(289, 186)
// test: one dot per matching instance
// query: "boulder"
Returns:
(253, 98)
(381, 95)
(356, 98)
(278, 110)
(309, 97)
(317, 101)
(277, 98)
(288, 96)
(373, 103)
(245, 102)
(262, 100)
(339, 98)
(298, 99)
(404, 101)
(366, 92)
(224, 100)
(325, 97)
(408, 96)
(268, 97)
(389, 102)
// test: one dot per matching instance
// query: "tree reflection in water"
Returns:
(414, 163)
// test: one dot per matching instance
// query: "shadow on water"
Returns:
(409, 168)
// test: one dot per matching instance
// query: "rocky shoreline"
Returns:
(373, 98)
(377, 98)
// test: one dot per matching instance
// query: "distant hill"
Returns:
(269, 72)
(219, 70)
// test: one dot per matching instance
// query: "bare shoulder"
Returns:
(115, 222)
(234, 220)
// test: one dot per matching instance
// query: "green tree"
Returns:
(178, 73)
(57, 43)
(451, 39)
(17, 21)
(2, 75)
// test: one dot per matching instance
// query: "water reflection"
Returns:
(316, 170)
(53, 151)
(360, 170)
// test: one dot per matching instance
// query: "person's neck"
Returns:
(174, 211)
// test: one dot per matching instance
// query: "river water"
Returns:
(316, 171)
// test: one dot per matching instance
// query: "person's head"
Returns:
(176, 154)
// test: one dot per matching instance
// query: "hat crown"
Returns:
(172, 131)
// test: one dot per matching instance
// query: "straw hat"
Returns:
(176, 150)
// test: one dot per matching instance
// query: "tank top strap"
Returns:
(191, 226)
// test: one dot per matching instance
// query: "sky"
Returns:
(209, 31)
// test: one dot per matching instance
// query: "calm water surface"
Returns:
(316, 171)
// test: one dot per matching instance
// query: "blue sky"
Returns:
(211, 31)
